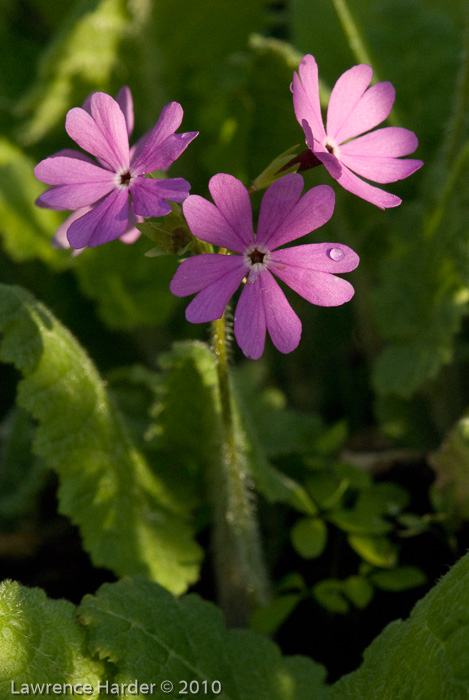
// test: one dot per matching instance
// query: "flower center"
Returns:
(124, 178)
(331, 147)
(257, 256)
(256, 259)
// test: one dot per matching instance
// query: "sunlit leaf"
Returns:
(126, 517)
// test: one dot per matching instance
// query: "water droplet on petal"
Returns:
(336, 254)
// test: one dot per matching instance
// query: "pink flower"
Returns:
(308, 269)
(353, 110)
(107, 199)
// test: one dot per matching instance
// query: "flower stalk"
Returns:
(240, 571)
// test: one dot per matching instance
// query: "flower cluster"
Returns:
(109, 197)
(308, 269)
(353, 110)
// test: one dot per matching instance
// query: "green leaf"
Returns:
(269, 618)
(423, 657)
(309, 537)
(329, 441)
(378, 551)
(373, 502)
(127, 519)
(292, 582)
(40, 642)
(359, 521)
(413, 524)
(326, 489)
(329, 593)
(358, 590)
(186, 407)
(451, 466)
(334, 594)
(148, 634)
(26, 230)
(400, 579)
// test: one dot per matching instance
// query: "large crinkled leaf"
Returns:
(26, 230)
(423, 658)
(186, 425)
(40, 643)
(148, 634)
(127, 519)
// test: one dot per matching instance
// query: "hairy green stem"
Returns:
(239, 565)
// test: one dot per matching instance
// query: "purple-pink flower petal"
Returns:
(63, 170)
(371, 109)
(208, 224)
(203, 270)
(233, 202)
(323, 257)
(320, 288)
(83, 128)
(264, 305)
(149, 195)
(391, 141)
(125, 102)
(306, 96)
(381, 168)
(345, 96)
(277, 203)
(299, 217)
(249, 321)
(104, 222)
(170, 119)
(375, 195)
(165, 154)
(72, 153)
(76, 195)
(111, 121)
(211, 301)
